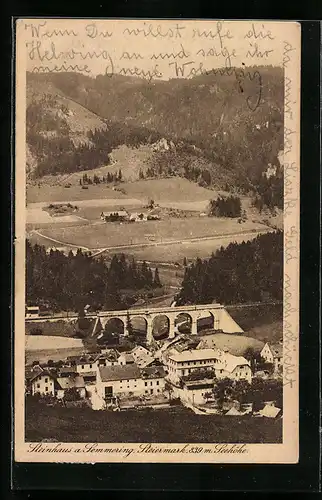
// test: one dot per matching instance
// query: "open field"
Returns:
(172, 425)
(145, 233)
(58, 193)
(189, 249)
(41, 342)
(43, 355)
(174, 189)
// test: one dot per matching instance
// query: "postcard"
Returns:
(156, 241)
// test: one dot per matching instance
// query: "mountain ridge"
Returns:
(206, 118)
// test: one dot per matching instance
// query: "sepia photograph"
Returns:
(157, 224)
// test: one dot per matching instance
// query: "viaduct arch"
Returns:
(221, 318)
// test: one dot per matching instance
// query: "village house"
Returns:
(142, 356)
(67, 371)
(223, 363)
(62, 384)
(195, 391)
(234, 367)
(30, 373)
(89, 382)
(109, 358)
(42, 383)
(86, 364)
(119, 380)
(273, 353)
(183, 363)
(125, 358)
(153, 380)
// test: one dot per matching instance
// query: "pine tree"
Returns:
(156, 280)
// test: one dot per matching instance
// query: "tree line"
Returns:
(69, 282)
(250, 271)
(270, 192)
(105, 179)
(225, 207)
(257, 392)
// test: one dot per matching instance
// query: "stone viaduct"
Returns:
(221, 318)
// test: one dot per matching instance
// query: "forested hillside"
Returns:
(70, 282)
(210, 134)
(247, 272)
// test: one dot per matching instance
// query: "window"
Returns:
(46, 380)
(158, 382)
(145, 383)
(38, 386)
(90, 366)
(46, 389)
(146, 392)
(82, 367)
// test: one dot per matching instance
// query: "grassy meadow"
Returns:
(174, 425)
(122, 234)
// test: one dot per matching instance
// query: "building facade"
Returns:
(43, 384)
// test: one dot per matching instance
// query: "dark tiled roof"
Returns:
(118, 372)
(67, 369)
(70, 382)
(153, 372)
(88, 374)
(42, 373)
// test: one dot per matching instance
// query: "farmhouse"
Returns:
(195, 391)
(107, 359)
(62, 384)
(118, 380)
(142, 356)
(43, 383)
(273, 353)
(126, 358)
(153, 380)
(85, 364)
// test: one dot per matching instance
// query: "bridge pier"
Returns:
(194, 330)
(172, 327)
(149, 330)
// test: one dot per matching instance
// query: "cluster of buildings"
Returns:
(184, 368)
(124, 216)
